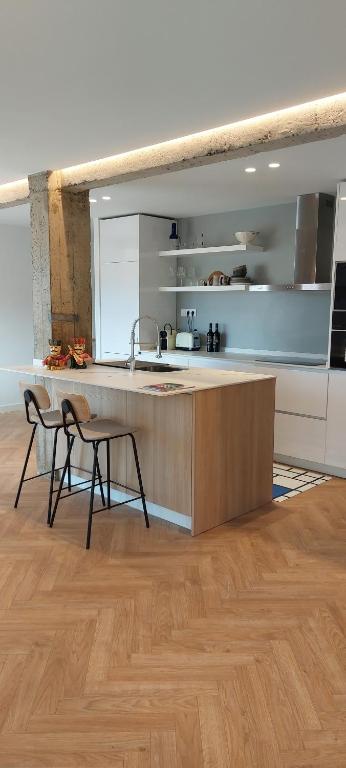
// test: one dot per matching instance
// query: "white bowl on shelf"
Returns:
(245, 237)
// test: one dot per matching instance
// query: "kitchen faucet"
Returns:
(132, 359)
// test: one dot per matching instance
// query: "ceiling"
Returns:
(83, 80)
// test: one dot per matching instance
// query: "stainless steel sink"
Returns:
(142, 366)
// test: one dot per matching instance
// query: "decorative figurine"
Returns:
(55, 360)
(77, 355)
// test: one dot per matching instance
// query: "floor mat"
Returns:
(289, 481)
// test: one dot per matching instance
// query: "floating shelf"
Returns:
(237, 248)
(316, 288)
(203, 288)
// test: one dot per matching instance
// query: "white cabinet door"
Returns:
(119, 239)
(336, 421)
(303, 392)
(299, 437)
(340, 225)
(119, 306)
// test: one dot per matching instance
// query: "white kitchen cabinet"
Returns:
(119, 283)
(300, 437)
(302, 392)
(339, 253)
(336, 421)
(128, 272)
(118, 238)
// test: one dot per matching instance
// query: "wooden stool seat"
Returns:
(50, 418)
(100, 429)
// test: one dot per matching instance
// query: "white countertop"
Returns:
(194, 379)
(257, 358)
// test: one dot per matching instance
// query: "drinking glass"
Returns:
(191, 275)
(181, 272)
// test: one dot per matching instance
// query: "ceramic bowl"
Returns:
(245, 237)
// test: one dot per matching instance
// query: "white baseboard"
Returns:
(184, 521)
(326, 469)
(11, 407)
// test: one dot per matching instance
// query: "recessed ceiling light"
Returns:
(274, 165)
(250, 170)
(342, 198)
(92, 200)
(106, 197)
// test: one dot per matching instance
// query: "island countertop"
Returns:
(193, 379)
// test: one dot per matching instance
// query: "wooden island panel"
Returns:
(232, 452)
(164, 441)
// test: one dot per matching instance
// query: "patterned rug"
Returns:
(289, 481)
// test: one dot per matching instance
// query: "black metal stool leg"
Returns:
(62, 480)
(140, 480)
(100, 480)
(52, 476)
(69, 464)
(92, 491)
(25, 465)
(108, 475)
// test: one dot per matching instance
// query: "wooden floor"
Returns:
(157, 650)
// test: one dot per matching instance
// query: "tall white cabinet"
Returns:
(128, 273)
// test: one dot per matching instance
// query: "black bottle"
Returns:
(163, 339)
(216, 339)
(210, 338)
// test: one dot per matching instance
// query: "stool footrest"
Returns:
(81, 490)
(117, 504)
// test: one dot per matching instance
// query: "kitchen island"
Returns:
(206, 449)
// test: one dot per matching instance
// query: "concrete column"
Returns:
(61, 258)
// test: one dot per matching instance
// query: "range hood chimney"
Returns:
(314, 239)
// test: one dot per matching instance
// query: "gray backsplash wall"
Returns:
(289, 322)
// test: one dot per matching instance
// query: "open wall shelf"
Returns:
(237, 248)
(202, 288)
(313, 287)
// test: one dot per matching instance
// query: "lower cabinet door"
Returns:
(300, 437)
(336, 421)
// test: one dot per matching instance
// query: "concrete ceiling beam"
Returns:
(313, 121)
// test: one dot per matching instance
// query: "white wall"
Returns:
(16, 322)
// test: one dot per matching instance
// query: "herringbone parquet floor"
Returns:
(157, 650)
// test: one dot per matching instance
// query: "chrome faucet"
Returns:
(132, 359)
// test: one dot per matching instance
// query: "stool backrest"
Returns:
(75, 409)
(36, 399)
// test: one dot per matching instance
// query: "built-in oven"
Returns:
(338, 334)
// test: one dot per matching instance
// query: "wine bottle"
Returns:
(174, 237)
(210, 338)
(216, 339)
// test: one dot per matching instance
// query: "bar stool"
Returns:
(77, 423)
(37, 405)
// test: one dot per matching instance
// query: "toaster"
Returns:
(188, 340)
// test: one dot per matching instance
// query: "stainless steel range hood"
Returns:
(314, 239)
(313, 245)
